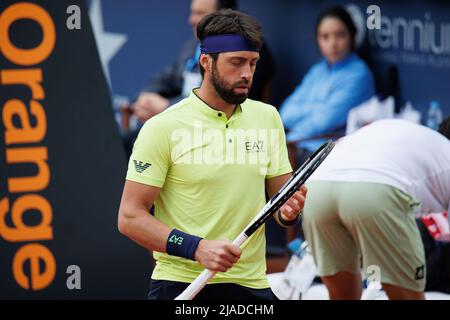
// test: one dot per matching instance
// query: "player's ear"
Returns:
(205, 61)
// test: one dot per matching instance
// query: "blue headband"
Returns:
(226, 43)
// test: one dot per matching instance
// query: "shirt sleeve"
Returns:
(279, 161)
(150, 159)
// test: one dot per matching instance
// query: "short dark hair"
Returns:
(228, 21)
(226, 4)
(444, 128)
(340, 13)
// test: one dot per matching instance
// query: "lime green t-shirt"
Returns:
(212, 172)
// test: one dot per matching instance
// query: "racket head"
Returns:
(299, 177)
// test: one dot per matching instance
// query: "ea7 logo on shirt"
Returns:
(254, 146)
(176, 240)
(141, 166)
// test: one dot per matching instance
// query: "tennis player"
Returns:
(205, 164)
(362, 202)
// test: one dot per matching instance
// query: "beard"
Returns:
(225, 90)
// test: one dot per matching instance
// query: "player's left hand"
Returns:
(292, 208)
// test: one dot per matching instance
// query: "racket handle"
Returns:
(240, 240)
(191, 291)
(199, 283)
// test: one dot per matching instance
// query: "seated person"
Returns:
(176, 81)
(339, 82)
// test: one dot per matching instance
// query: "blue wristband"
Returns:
(182, 244)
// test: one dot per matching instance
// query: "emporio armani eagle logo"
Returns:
(141, 166)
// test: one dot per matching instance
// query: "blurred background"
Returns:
(86, 84)
(150, 34)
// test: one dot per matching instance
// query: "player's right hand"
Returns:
(217, 255)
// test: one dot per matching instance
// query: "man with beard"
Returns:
(205, 163)
(177, 80)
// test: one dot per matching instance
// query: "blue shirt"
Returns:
(320, 104)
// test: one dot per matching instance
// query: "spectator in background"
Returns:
(341, 81)
(178, 79)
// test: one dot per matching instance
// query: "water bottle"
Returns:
(434, 115)
(299, 274)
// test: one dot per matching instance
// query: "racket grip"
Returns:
(199, 283)
(240, 240)
(191, 291)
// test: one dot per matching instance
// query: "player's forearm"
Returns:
(144, 229)
(273, 185)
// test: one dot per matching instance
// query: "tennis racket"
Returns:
(286, 191)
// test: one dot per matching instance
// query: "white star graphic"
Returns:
(108, 43)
